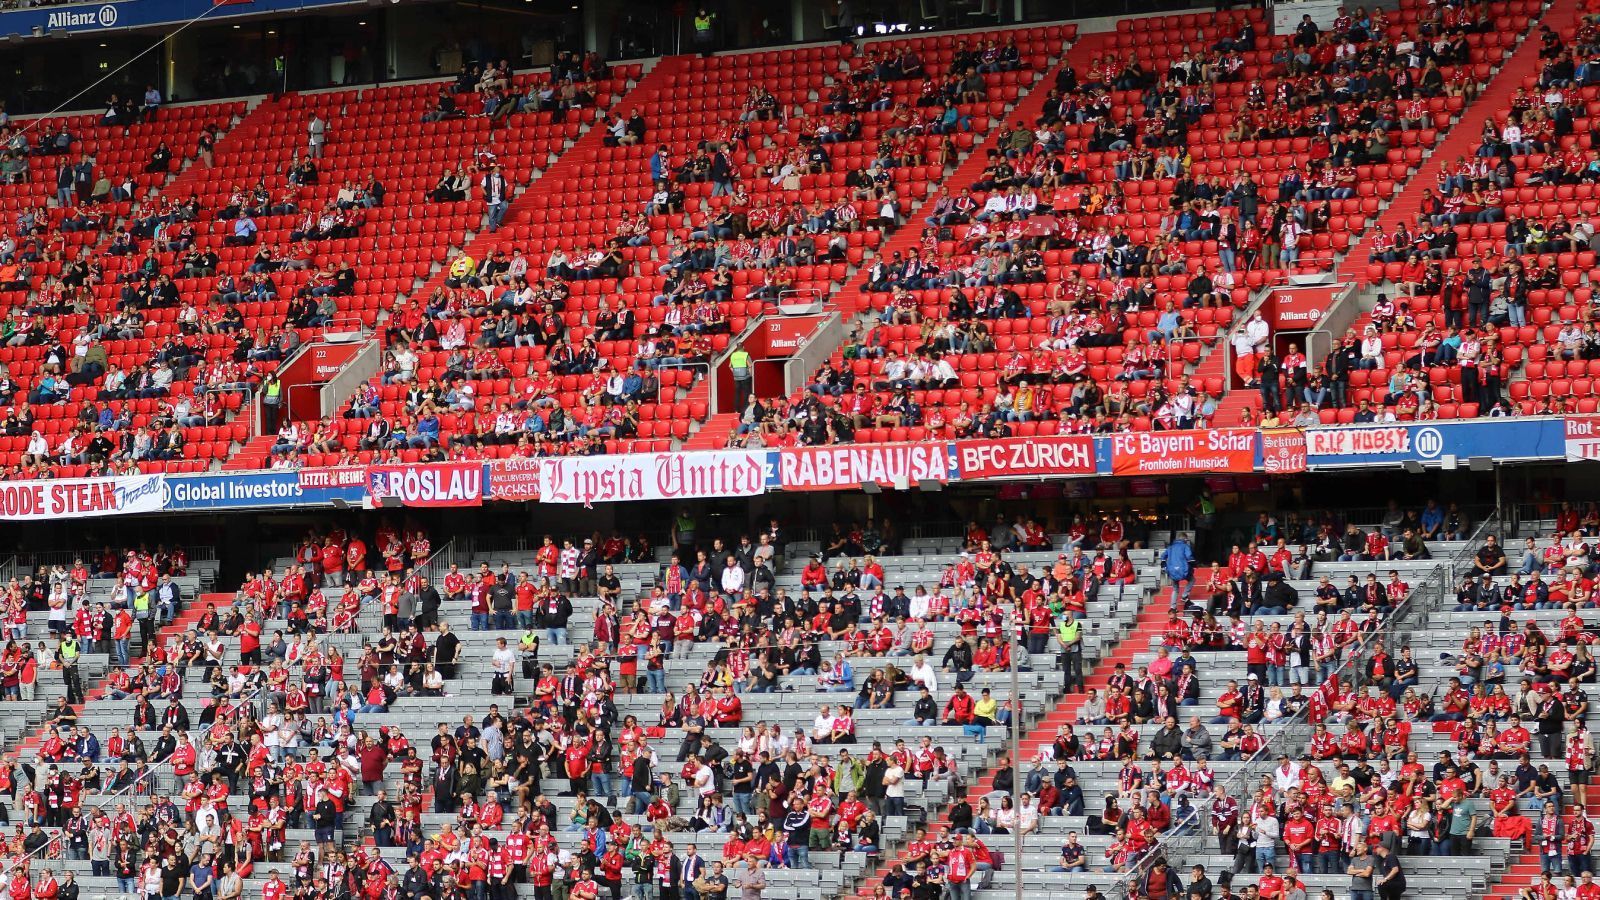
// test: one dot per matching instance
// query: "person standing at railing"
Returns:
(1069, 634)
(67, 653)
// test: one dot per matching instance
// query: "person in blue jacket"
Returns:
(1178, 562)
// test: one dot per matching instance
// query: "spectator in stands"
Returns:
(243, 231)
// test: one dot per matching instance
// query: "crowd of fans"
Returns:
(278, 715)
(752, 221)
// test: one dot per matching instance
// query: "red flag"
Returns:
(1317, 708)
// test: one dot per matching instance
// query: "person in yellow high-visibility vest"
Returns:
(271, 403)
(67, 653)
(744, 376)
(1069, 634)
(704, 23)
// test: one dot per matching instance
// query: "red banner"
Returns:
(428, 484)
(1183, 452)
(516, 478)
(1301, 308)
(1283, 451)
(328, 359)
(785, 334)
(1065, 454)
(890, 465)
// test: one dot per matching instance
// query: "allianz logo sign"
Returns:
(104, 17)
(1429, 443)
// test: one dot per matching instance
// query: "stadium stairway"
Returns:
(713, 435)
(852, 298)
(1461, 141)
(256, 453)
(1463, 137)
(1151, 620)
(1522, 866)
(180, 623)
(1233, 401)
(190, 175)
(570, 164)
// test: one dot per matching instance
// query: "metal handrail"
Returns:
(345, 328)
(438, 563)
(197, 553)
(143, 779)
(1187, 834)
(1191, 831)
(143, 783)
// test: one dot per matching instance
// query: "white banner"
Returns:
(652, 476)
(1583, 438)
(72, 498)
(1357, 441)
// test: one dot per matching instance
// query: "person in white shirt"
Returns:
(1258, 332)
(1576, 551)
(270, 724)
(1243, 343)
(894, 371)
(68, 452)
(58, 603)
(1286, 775)
(1005, 818)
(919, 606)
(1372, 347)
(822, 725)
(919, 371)
(1289, 237)
(996, 205)
(405, 363)
(1183, 409)
(433, 683)
(504, 664)
(288, 437)
(1512, 136)
(705, 784)
(1028, 816)
(923, 674)
(733, 579)
(1267, 830)
(1570, 339)
(894, 789)
(889, 212)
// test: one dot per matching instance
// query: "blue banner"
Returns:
(98, 18)
(253, 490)
(1502, 440)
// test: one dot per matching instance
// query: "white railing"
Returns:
(360, 368)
